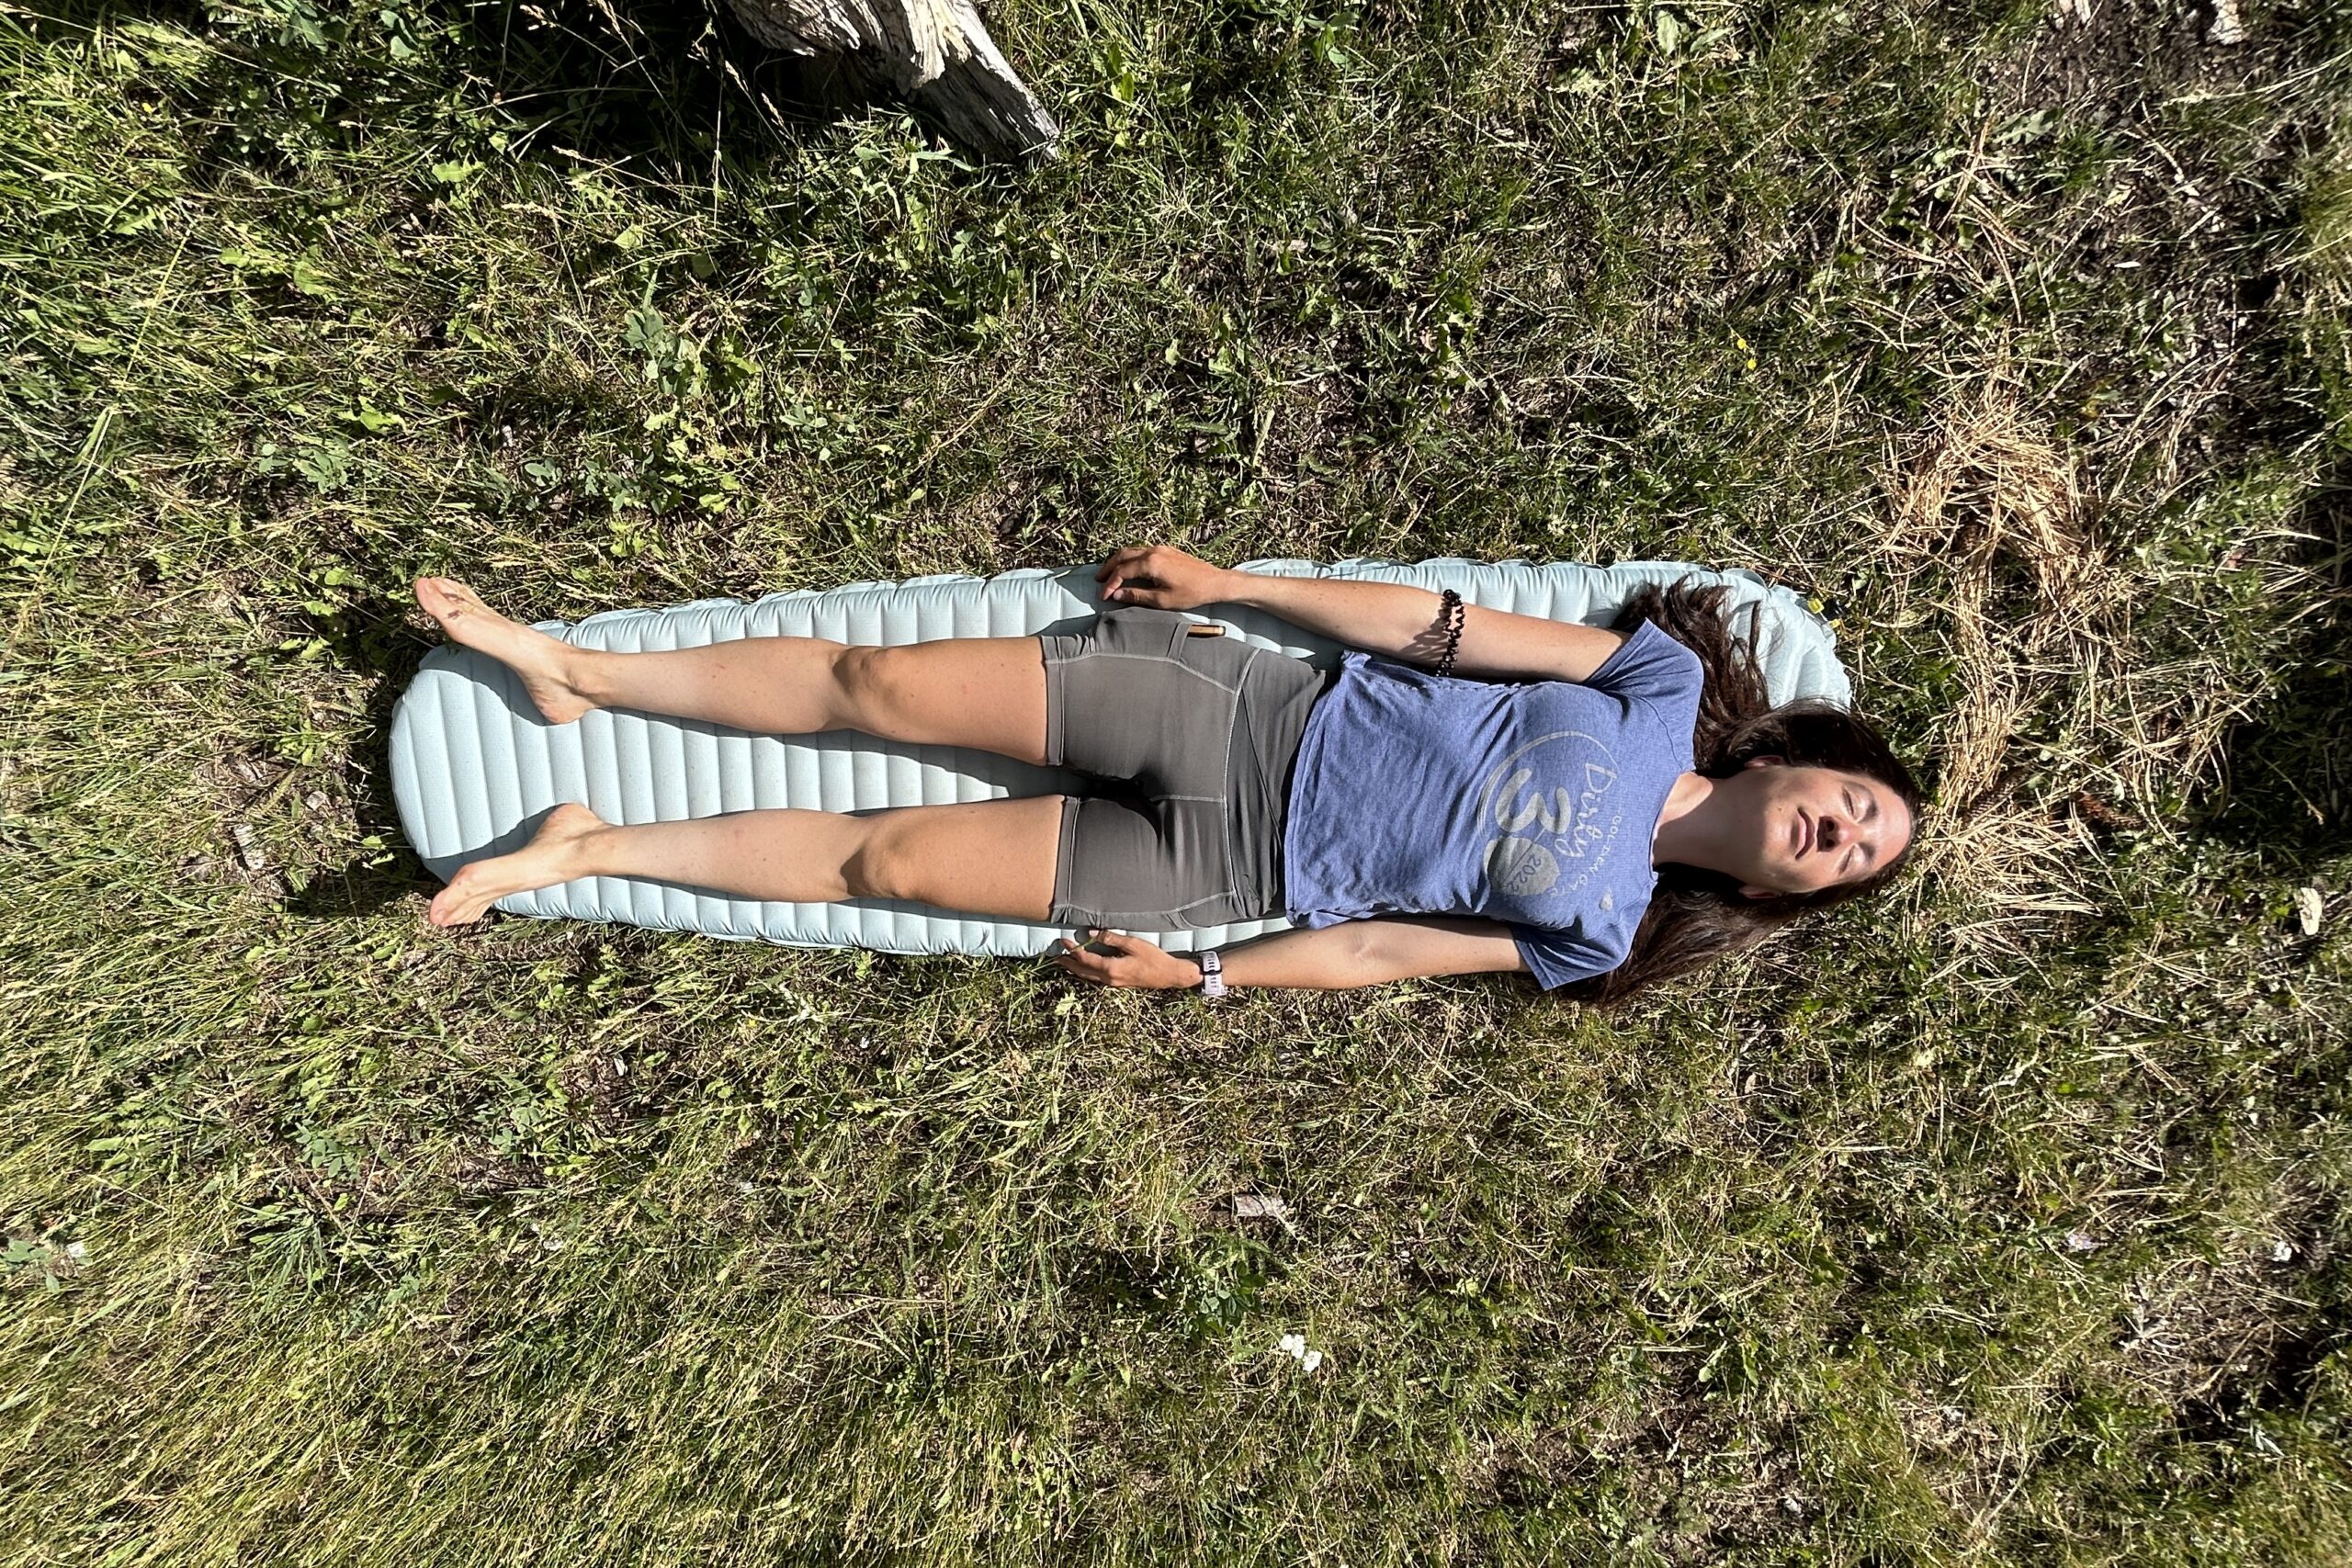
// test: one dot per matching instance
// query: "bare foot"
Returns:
(545, 664)
(551, 856)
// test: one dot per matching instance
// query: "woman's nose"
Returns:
(1830, 832)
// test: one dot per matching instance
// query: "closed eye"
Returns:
(1856, 812)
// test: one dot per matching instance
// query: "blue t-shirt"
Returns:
(1532, 802)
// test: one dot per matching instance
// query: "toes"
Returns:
(456, 912)
(445, 596)
(458, 903)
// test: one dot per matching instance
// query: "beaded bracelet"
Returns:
(1455, 612)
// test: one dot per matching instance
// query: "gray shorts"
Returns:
(1194, 738)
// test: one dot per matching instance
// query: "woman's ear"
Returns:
(1769, 759)
(1749, 890)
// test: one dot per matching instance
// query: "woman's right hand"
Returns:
(1161, 577)
(1131, 963)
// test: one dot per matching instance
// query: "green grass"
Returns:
(2008, 1222)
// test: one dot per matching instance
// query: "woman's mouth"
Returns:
(1805, 833)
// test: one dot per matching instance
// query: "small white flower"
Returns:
(1295, 1347)
(2283, 1252)
(2081, 1241)
(78, 1251)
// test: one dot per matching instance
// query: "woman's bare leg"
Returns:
(984, 692)
(991, 857)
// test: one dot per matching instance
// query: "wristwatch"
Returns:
(1212, 973)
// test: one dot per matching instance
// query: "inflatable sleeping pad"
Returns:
(474, 767)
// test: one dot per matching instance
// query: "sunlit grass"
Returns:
(2005, 1222)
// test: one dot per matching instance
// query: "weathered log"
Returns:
(936, 53)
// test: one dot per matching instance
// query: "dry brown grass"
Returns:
(1987, 504)
(2063, 729)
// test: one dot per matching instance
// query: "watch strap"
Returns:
(1212, 973)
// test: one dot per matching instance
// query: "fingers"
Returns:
(1075, 960)
(1122, 571)
(1103, 969)
(1119, 561)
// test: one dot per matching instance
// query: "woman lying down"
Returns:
(1470, 789)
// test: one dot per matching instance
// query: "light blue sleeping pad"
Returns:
(474, 767)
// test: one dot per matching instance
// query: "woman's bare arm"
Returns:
(1380, 617)
(1336, 958)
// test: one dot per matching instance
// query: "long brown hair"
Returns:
(1696, 916)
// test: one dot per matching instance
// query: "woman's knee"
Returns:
(885, 862)
(876, 686)
(994, 856)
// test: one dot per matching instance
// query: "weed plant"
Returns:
(2006, 1222)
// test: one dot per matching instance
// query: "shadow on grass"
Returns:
(665, 86)
(373, 636)
(2290, 762)
(1206, 1287)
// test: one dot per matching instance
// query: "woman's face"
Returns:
(1816, 828)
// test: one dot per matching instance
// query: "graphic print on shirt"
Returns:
(1548, 803)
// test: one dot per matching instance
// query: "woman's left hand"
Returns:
(1132, 963)
(1161, 577)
